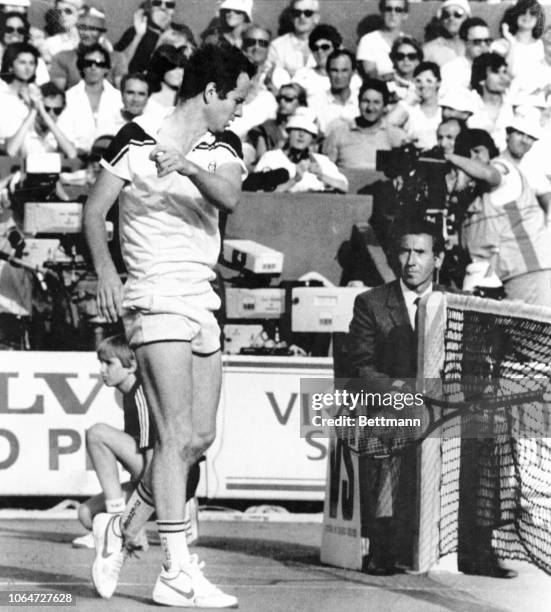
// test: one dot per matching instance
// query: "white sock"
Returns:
(115, 505)
(173, 540)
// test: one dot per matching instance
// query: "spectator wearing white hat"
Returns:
(69, 11)
(459, 103)
(91, 28)
(291, 51)
(308, 171)
(457, 72)
(234, 15)
(373, 53)
(451, 14)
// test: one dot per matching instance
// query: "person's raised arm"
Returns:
(476, 169)
(101, 199)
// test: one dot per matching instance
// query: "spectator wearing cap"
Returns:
(93, 104)
(256, 41)
(308, 171)
(272, 134)
(91, 28)
(14, 28)
(234, 16)
(373, 53)
(451, 15)
(522, 27)
(140, 40)
(354, 144)
(337, 102)
(68, 38)
(457, 72)
(291, 51)
(459, 104)
(491, 80)
(406, 54)
(323, 40)
(421, 119)
(507, 224)
(39, 132)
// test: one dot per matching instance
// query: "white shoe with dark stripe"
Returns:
(110, 553)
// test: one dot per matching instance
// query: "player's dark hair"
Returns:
(116, 346)
(419, 226)
(220, 65)
(376, 85)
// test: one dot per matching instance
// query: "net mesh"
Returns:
(501, 451)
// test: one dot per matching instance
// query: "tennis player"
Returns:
(173, 175)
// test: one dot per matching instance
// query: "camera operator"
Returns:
(504, 224)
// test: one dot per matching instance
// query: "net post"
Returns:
(430, 356)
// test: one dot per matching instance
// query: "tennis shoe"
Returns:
(188, 588)
(110, 553)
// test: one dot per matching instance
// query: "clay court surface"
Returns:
(270, 566)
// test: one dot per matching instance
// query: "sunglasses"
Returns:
(296, 13)
(90, 63)
(68, 11)
(410, 56)
(322, 47)
(12, 30)
(480, 41)
(57, 110)
(454, 14)
(251, 42)
(88, 28)
(394, 9)
(288, 99)
(166, 3)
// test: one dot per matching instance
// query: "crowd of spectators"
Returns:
(316, 109)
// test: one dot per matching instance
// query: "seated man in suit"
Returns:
(383, 355)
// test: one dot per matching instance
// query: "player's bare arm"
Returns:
(101, 199)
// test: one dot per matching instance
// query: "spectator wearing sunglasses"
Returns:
(448, 44)
(140, 40)
(93, 104)
(68, 12)
(272, 134)
(39, 132)
(92, 29)
(291, 51)
(14, 28)
(373, 53)
(179, 35)
(456, 74)
(522, 27)
(406, 54)
(256, 41)
(354, 144)
(234, 15)
(323, 40)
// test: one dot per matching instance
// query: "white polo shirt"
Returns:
(169, 232)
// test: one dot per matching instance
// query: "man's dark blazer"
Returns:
(382, 345)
